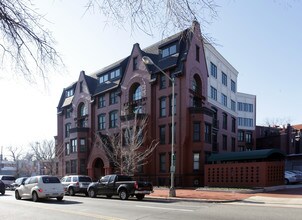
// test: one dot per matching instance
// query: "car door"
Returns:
(28, 185)
(101, 187)
(110, 186)
(22, 188)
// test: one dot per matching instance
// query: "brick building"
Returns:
(101, 102)
(284, 138)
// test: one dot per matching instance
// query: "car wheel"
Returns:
(108, 196)
(71, 191)
(123, 194)
(140, 196)
(17, 195)
(92, 193)
(286, 181)
(35, 197)
(3, 192)
(60, 198)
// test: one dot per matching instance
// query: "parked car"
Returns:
(290, 177)
(2, 187)
(76, 184)
(17, 182)
(7, 180)
(298, 174)
(120, 185)
(40, 187)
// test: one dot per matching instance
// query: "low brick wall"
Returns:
(250, 174)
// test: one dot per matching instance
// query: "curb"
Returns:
(193, 199)
(250, 191)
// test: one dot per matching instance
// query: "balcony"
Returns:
(197, 93)
(199, 110)
(134, 103)
(79, 129)
(195, 110)
(131, 116)
(134, 108)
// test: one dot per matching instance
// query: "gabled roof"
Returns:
(246, 155)
(112, 66)
(100, 88)
(62, 99)
(173, 62)
(91, 83)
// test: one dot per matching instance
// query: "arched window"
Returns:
(136, 96)
(137, 93)
(196, 84)
(82, 115)
(197, 91)
(82, 110)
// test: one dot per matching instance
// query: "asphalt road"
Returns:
(80, 207)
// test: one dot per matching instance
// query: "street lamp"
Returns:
(147, 60)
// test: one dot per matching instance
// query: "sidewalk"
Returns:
(280, 194)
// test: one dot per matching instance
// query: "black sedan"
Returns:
(2, 188)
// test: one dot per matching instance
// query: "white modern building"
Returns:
(231, 104)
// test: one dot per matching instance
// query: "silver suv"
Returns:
(76, 184)
(7, 180)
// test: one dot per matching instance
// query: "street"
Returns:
(80, 207)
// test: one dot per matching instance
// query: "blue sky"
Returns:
(261, 39)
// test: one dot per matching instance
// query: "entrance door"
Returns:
(98, 169)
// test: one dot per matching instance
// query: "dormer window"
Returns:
(68, 93)
(168, 51)
(110, 75)
(104, 78)
(114, 74)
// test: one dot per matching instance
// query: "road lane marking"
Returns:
(73, 212)
(92, 215)
(266, 205)
(154, 207)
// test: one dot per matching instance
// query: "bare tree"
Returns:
(15, 153)
(129, 147)
(25, 43)
(27, 165)
(147, 15)
(277, 122)
(44, 153)
(29, 47)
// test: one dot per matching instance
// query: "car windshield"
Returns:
(8, 178)
(50, 179)
(20, 180)
(84, 179)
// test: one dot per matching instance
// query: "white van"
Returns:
(7, 180)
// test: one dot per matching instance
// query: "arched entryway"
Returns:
(98, 168)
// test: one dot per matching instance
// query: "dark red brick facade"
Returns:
(80, 110)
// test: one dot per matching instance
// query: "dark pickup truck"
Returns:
(120, 185)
